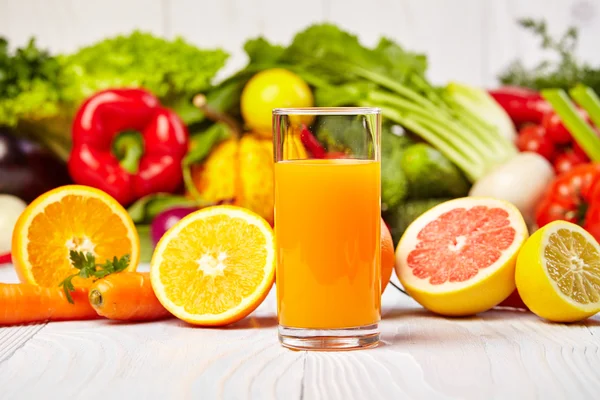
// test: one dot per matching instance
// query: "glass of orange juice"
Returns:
(327, 226)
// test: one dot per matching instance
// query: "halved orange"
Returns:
(215, 266)
(68, 218)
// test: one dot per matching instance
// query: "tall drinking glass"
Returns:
(327, 227)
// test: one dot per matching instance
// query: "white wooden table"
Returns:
(496, 355)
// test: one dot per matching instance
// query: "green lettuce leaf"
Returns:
(260, 51)
(169, 69)
(29, 83)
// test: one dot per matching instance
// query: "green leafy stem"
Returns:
(88, 268)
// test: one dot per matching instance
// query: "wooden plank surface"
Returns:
(496, 355)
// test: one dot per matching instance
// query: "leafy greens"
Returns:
(171, 70)
(29, 83)
(562, 74)
(39, 93)
(343, 72)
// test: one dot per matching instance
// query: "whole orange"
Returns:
(387, 256)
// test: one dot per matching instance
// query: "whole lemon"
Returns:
(269, 89)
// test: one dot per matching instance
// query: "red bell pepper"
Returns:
(126, 144)
(521, 104)
(575, 197)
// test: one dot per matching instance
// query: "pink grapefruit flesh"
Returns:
(459, 257)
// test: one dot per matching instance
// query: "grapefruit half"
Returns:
(459, 257)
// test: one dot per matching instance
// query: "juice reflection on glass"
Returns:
(327, 231)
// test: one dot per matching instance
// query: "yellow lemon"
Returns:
(558, 273)
(269, 89)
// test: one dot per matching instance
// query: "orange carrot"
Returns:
(127, 296)
(21, 303)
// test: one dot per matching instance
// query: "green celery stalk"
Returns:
(429, 92)
(473, 170)
(475, 154)
(588, 100)
(471, 144)
(499, 150)
(396, 87)
(452, 138)
(503, 148)
(582, 132)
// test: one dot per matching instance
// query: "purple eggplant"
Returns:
(26, 169)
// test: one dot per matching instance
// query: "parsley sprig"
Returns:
(88, 268)
(563, 71)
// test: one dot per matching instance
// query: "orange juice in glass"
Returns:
(327, 227)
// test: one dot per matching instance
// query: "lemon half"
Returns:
(558, 273)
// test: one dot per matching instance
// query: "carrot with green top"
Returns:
(22, 303)
(127, 296)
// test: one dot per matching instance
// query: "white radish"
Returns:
(522, 180)
(11, 208)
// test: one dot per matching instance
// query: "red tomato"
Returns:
(514, 301)
(534, 138)
(565, 162)
(592, 217)
(556, 130)
(575, 197)
(579, 151)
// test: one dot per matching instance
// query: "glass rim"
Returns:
(328, 111)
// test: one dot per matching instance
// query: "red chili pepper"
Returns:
(311, 143)
(521, 104)
(575, 197)
(126, 144)
(5, 258)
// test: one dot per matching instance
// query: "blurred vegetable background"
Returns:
(40, 92)
(147, 120)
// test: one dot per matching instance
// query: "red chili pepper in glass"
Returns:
(126, 144)
(521, 104)
(311, 143)
(575, 197)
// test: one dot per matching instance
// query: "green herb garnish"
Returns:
(562, 71)
(86, 264)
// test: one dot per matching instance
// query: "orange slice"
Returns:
(215, 266)
(68, 218)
